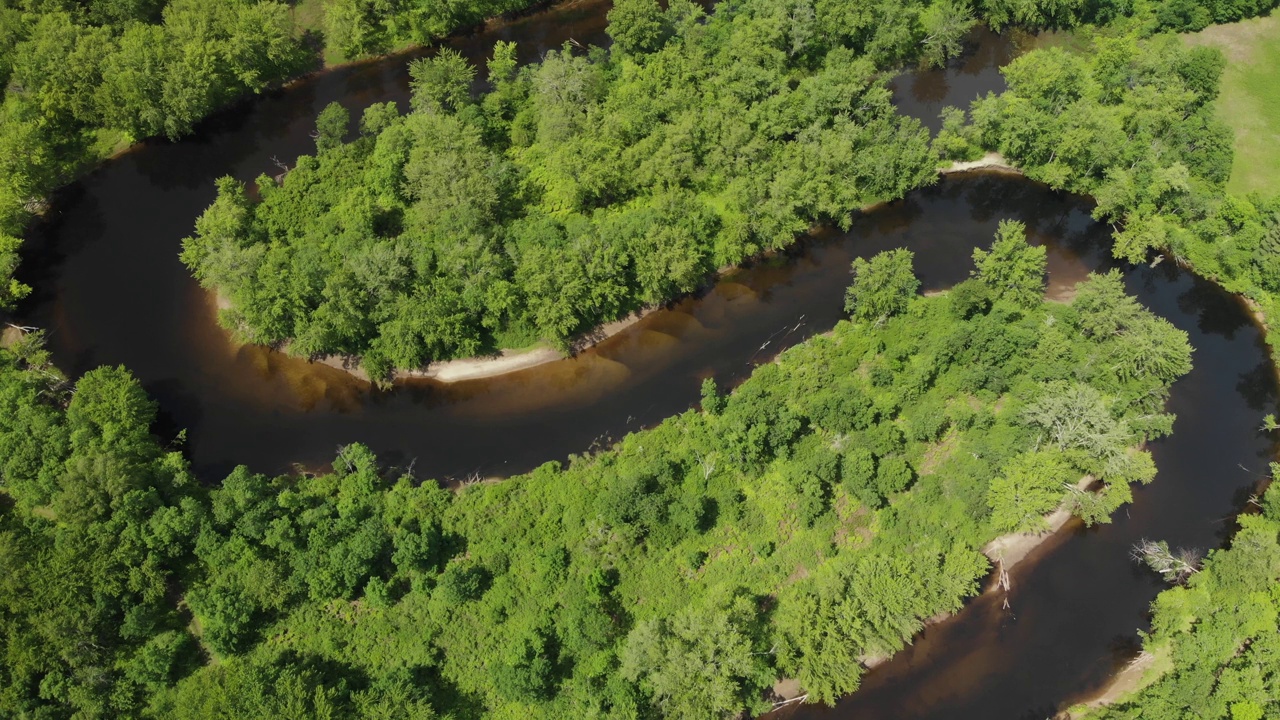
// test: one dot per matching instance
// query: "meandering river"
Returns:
(110, 290)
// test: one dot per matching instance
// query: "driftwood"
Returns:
(796, 699)
(1175, 566)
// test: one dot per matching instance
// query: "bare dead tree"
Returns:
(1174, 566)
(708, 464)
(1143, 658)
(796, 699)
(347, 465)
(284, 167)
(1003, 581)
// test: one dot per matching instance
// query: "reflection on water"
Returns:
(922, 95)
(1078, 601)
(111, 291)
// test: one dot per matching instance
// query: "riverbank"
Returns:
(1136, 675)
(990, 161)
(1005, 552)
(513, 361)
(506, 362)
(1009, 550)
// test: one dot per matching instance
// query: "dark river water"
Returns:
(110, 290)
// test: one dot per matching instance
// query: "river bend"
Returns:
(110, 290)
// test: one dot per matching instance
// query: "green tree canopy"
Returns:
(881, 287)
(1013, 269)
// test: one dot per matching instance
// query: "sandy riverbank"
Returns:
(10, 336)
(1009, 550)
(510, 361)
(1139, 673)
(1005, 552)
(990, 161)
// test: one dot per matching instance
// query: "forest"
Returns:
(796, 526)
(1214, 640)
(577, 190)
(596, 182)
(774, 531)
(82, 79)
(1131, 123)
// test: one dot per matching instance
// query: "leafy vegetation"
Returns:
(1249, 104)
(359, 28)
(575, 191)
(1132, 122)
(814, 516)
(1219, 633)
(81, 78)
(597, 181)
(96, 524)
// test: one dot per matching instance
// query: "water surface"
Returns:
(110, 290)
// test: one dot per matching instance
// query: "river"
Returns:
(110, 290)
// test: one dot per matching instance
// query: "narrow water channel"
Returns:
(111, 291)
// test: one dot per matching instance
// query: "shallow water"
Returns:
(111, 291)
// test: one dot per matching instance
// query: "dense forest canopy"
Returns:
(810, 519)
(1130, 121)
(357, 28)
(576, 190)
(82, 78)
(813, 517)
(594, 182)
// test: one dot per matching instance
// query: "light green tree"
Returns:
(881, 287)
(698, 664)
(945, 24)
(637, 26)
(1031, 485)
(331, 126)
(442, 82)
(1013, 269)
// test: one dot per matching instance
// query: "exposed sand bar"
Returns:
(508, 361)
(990, 161)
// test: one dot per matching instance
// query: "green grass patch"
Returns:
(107, 142)
(1250, 99)
(517, 336)
(308, 19)
(308, 16)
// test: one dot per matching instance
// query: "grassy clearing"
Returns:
(1250, 101)
(309, 15)
(308, 18)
